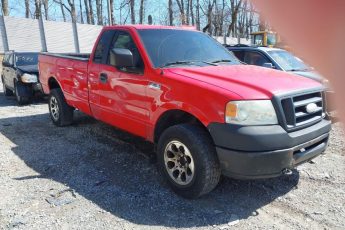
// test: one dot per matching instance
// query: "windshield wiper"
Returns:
(209, 63)
(295, 70)
(186, 63)
(178, 63)
(221, 60)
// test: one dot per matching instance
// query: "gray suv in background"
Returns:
(283, 60)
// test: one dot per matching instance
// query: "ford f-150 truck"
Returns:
(206, 113)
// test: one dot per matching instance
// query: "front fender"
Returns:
(205, 117)
(182, 106)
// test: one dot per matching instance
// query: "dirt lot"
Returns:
(92, 176)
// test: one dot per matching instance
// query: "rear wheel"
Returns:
(187, 159)
(60, 112)
(7, 91)
(21, 100)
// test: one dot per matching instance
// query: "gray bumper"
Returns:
(265, 151)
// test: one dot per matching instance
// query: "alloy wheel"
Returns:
(179, 163)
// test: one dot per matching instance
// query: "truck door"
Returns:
(100, 56)
(122, 92)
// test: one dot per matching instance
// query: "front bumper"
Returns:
(37, 87)
(28, 89)
(248, 152)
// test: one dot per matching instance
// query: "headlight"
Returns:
(258, 112)
(29, 78)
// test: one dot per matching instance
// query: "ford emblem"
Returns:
(311, 108)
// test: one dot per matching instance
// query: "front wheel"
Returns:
(188, 160)
(60, 112)
(21, 100)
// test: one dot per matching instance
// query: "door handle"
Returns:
(103, 78)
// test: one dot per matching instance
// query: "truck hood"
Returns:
(309, 74)
(33, 69)
(249, 82)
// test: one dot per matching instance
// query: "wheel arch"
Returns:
(53, 83)
(174, 117)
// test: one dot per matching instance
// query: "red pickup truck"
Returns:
(206, 113)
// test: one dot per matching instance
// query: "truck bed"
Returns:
(74, 56)
(71, 71)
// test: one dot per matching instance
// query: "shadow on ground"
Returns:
(114, 170)
(11, 100)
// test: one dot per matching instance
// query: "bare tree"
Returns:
(4, 5)
(198, 15)
(171, 13)
(37, 9)
(141, 11)
(99, 12)
(219, 17)
(62, 11)
(91, 13)
(27, 8)
(87, 12)
(46, 7)
(72, 10)
(81, 12)
(180, 4)
(62, 8)
(242, 15)
(132, 3)
(112, 12)
(187, 13)
(235, 6)
(209, 15)
(192, 11)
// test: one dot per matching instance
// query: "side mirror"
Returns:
(268, 65)
(121, 58)
(7, 64)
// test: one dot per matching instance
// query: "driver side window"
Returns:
(125, 41)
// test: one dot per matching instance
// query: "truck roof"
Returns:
(245, 47)
(146, 27)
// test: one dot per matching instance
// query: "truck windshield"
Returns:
(167, 47)
(23, 59)
(288, 61)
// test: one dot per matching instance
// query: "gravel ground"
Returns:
(93, 176)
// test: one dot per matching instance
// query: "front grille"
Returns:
(296, 112)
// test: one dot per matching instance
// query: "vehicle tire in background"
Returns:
(7, 92)
(60, 112)
(21, 100)
(187, 159)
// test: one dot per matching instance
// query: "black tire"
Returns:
(206, 165)
(21, 100)
(60, 112)
(7, 92)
